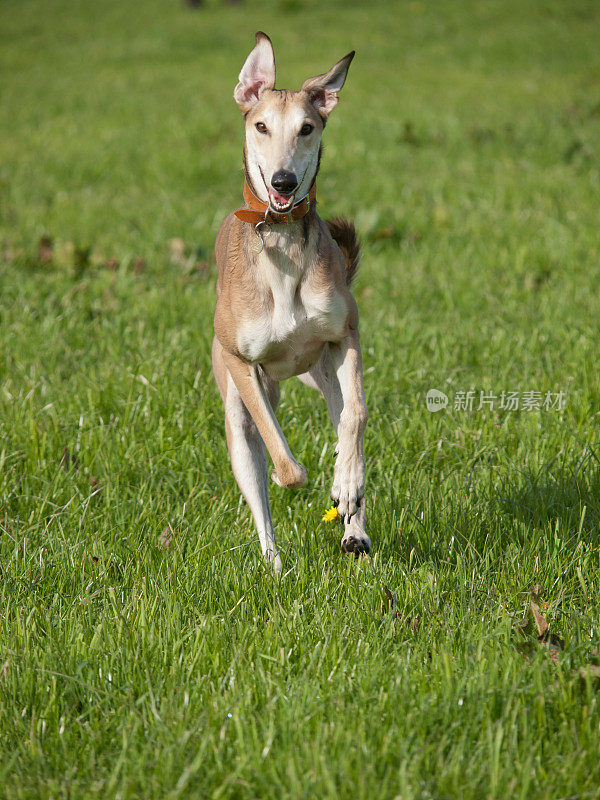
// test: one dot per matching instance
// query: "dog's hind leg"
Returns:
(248, 456)
(323, 378)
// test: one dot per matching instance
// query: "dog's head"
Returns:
(283, 129)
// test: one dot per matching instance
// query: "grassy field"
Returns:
(145, 651)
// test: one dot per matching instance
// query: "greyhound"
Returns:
(284, 306)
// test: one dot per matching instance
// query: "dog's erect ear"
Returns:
(323, 90)
(258, 74)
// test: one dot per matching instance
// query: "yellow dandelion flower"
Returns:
(330, 514)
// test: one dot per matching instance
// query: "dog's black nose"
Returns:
(284, 181)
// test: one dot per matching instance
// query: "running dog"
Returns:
(284, 305)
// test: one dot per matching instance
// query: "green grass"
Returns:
(467, 148)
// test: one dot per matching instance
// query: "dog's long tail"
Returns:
(343, 232)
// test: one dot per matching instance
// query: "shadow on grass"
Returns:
(569, 496)
(441, 525)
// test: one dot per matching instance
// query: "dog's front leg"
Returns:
(247, 380)
(349, 474)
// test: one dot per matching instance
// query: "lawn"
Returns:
(146, 651)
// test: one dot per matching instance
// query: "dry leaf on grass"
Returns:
(45, 249)
(68, 459)
(544, 635)
(540, 622)
(389, 604)
(553, 642)
(166, 538)
(389, 601)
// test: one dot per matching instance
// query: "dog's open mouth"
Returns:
(282, 203)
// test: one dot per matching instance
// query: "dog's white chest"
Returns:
(299, 316)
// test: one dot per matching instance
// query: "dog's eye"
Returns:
(306, 129)
(261, 127)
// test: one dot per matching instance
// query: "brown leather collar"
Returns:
(260, 212)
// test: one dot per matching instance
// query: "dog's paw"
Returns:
(356, 542)
(348, 486)
(290, 475)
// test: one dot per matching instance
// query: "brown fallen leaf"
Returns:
(45, 249)
(540, 622)
(68, 459)
(414, 623)
(554, 642)
(389, 603)
(166, 538)
(389, 600)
